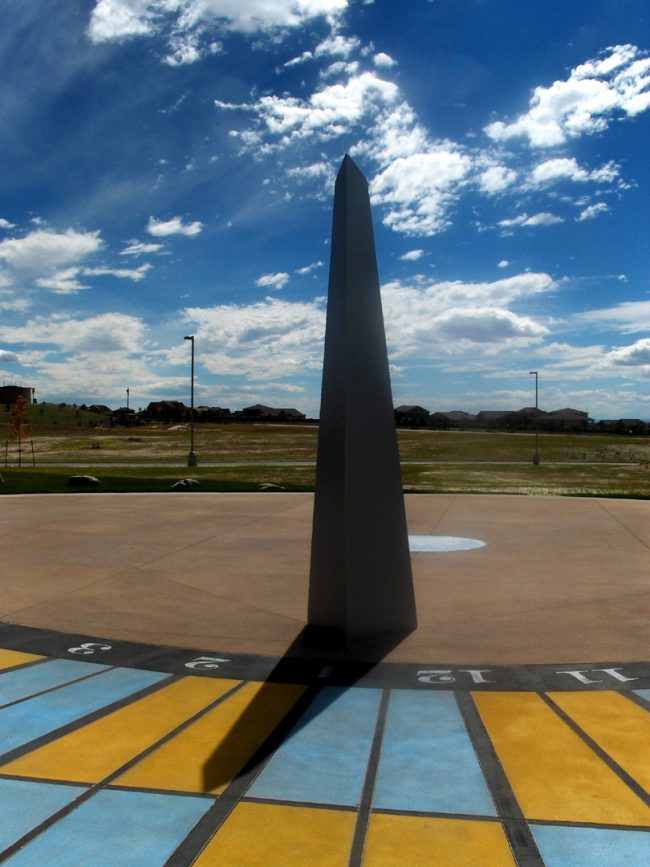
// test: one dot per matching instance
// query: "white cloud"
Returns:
(309, 268)
(44, 248)
(135, 274)
(175, 226)
(186, 48)
(434, 320)
(339, 68)
(302, 58)
(383, 60)
(327, 113)
(65, 282)
(541, 219)
(100, 377)
(338, 46)
(7, 357)
(273, 281)
(119, 19)
(267, 340)
(396, 133)
(108, 332)
(503, 263)
(311, 171)
(15, 305)
(629, 316)
(638, 354)
(485, 325)
(595, 93)
(189, 25)
(5, 224)
(138, 248)
(553, 170)
(495, 179)
(455, 293)
(564, 360)
(420, 190)
(412, 255)
(417, 180)
(592, 211)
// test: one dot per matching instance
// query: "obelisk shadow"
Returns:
(315, 659)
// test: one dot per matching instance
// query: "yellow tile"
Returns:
(427, 842)
(12, 658)
(91, 753)
(553, 773)
(266, 835)
(207, 755)
(620, 727)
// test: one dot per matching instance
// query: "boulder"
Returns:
(83, 482)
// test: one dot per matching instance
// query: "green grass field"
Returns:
(68, 441)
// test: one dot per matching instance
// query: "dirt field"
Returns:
(240, 457)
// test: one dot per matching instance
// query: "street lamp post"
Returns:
(192, 459)
(536, 455)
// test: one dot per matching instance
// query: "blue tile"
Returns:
(644, 693)
(132, 829)
(427, 759)
(15, 685)
(37, 716)
(324, 759)
(26, 804)
(563, 846)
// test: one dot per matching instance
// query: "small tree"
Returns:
(19, 427)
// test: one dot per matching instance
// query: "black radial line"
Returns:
(365, 805)
(63, 730)
(623, 775)
(436, 814)
(198, 838)
(102, 784)
(30, 664)
(52, 781)
(57, 686)
(624, 526)
(636, 699)
(599, 825)
(309, 805)
(520, 837)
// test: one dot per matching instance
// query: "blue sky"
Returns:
(168, 169)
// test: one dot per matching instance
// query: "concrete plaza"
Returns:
(558, 580)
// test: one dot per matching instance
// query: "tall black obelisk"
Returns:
(360, 579)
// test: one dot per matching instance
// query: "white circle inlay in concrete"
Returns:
(443, 543)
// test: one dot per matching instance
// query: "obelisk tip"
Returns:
(348, 166)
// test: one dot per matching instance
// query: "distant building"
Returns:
(526, 419)
(565, 420)
(491, 418)
(409, 415)
(212, 413)
(167, 410)
(458, 420)
(630, 426)
(268, 413)
(9, 394)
